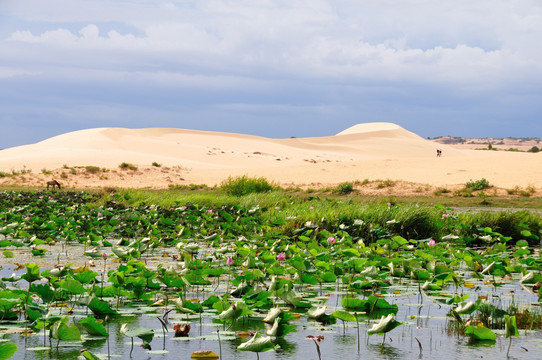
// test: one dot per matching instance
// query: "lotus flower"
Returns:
(386, 324)
(257, 344)
(281, 256)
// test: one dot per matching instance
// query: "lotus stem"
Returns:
(357, 323)
(219, 344)
(420, 346)
(509, 345)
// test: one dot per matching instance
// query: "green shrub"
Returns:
(92, 169)
(478, 184)
(127, 166)
(466, 192)
(441, 191)
(385, 183)
(155, 164)
(244, 185)
(534, 149)
(344, 188)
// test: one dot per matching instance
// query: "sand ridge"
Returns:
(364, 151)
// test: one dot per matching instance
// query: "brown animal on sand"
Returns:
(54, 184)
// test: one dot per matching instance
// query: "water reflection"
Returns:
(384, 351)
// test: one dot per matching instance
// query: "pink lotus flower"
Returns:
(210, 211)
(432, 242)
(444, 216)
(229, 261)
(331, 240)
(104, 255)
(27, 218)
(281, 256)
(311, 208)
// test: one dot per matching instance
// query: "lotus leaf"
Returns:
(480, 333)
(257, 343)
(385, 325)
(272, 315)
(317, 312)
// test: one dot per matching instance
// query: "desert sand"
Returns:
(365, 151)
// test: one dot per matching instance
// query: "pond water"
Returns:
(423, 314)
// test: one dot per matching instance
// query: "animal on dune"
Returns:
(54, 184)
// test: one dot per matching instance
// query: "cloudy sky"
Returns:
(275, 68)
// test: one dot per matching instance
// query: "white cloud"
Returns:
(411, 40)
(315, 54)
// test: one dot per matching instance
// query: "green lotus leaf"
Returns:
(257, 343)
(90, 356)
(480, 333)
(7, 350)
(274, 329)
(100, 307)
(146, 335)
(94, 253)
(527, 278)
(64, 332)
(317, 312)
(488, 268)
(93, 326)
(343, 315)
(385, 325)
(72, 286)
(466, 308)
(272, 315)
(510, 327)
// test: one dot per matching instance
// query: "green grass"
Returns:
(245, 185)
(344, 188)
(127, 166)
(478, 184)
(290, 211)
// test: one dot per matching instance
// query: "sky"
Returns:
(273, 68)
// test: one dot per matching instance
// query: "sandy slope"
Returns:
(364, 151)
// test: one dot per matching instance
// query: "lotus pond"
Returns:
(84, 279)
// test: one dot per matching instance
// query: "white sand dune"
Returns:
(364, 151)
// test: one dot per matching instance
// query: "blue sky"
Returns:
(274, 68)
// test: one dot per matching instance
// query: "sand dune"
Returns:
(364, 151)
